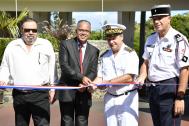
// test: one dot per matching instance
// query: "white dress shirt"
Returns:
(22, 67)
(83, 48)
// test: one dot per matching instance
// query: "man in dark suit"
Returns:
(78, 62)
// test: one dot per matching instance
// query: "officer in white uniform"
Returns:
(165, 65)
(119, 65)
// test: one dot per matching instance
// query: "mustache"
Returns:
(29, 39)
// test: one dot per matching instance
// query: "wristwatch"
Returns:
(180, 95)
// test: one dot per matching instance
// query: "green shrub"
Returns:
(95, 35)
(3, 43)
(55, 42)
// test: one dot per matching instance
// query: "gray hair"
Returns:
(81, 21)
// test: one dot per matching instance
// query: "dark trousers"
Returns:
(76, 112)
(33, 103)
(162, 99)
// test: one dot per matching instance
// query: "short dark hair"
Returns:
(28, 19)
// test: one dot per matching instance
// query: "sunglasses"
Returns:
(28, 30)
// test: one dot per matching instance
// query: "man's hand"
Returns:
(140, 80)
(92, 88)
(2, 83)
(86, 81)
(52, 98)
(83, 87)
(179, 107)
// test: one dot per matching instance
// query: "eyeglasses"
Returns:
(83, 30)
(28, 30)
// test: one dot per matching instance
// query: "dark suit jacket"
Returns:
(70, 68)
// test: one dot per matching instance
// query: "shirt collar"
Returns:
(167, 36)
(84, 45)
(169, 33)
(121, 49)
(22, 44)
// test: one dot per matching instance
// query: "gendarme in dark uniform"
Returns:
(166, 65)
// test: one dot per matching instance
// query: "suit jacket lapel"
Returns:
(75, 50)
(87, 54)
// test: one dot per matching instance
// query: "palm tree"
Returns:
(58, 29)
(9, 25)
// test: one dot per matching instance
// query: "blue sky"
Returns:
(98, 18)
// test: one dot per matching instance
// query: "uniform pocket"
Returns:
(120, 70)
(166, 54)
(43, 58)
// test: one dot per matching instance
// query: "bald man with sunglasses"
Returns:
(29, 60)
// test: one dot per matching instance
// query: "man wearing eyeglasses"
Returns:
(29, 60)
(78, 62)
(166, 66)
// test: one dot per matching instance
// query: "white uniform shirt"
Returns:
(125, 62)
(165, 61)
(21, 67)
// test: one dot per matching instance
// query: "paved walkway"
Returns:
(96, 117)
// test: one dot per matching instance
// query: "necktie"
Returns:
(81, 57)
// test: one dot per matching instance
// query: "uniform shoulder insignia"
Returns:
(152, 33)
(104, 53)
(178, 37)
(129, 49)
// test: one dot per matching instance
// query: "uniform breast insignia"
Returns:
(168, 48)
(129, 49)
(184, 58)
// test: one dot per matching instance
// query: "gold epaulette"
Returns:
(129, 49)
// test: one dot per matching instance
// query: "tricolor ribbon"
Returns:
(31, 87)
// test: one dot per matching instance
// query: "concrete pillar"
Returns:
(40, 17)
(128, 19)
(142, 35)
(67, 17)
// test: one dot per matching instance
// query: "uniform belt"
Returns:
(125, 93)
(155, 83)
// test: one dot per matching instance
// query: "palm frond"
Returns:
(12, 27)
